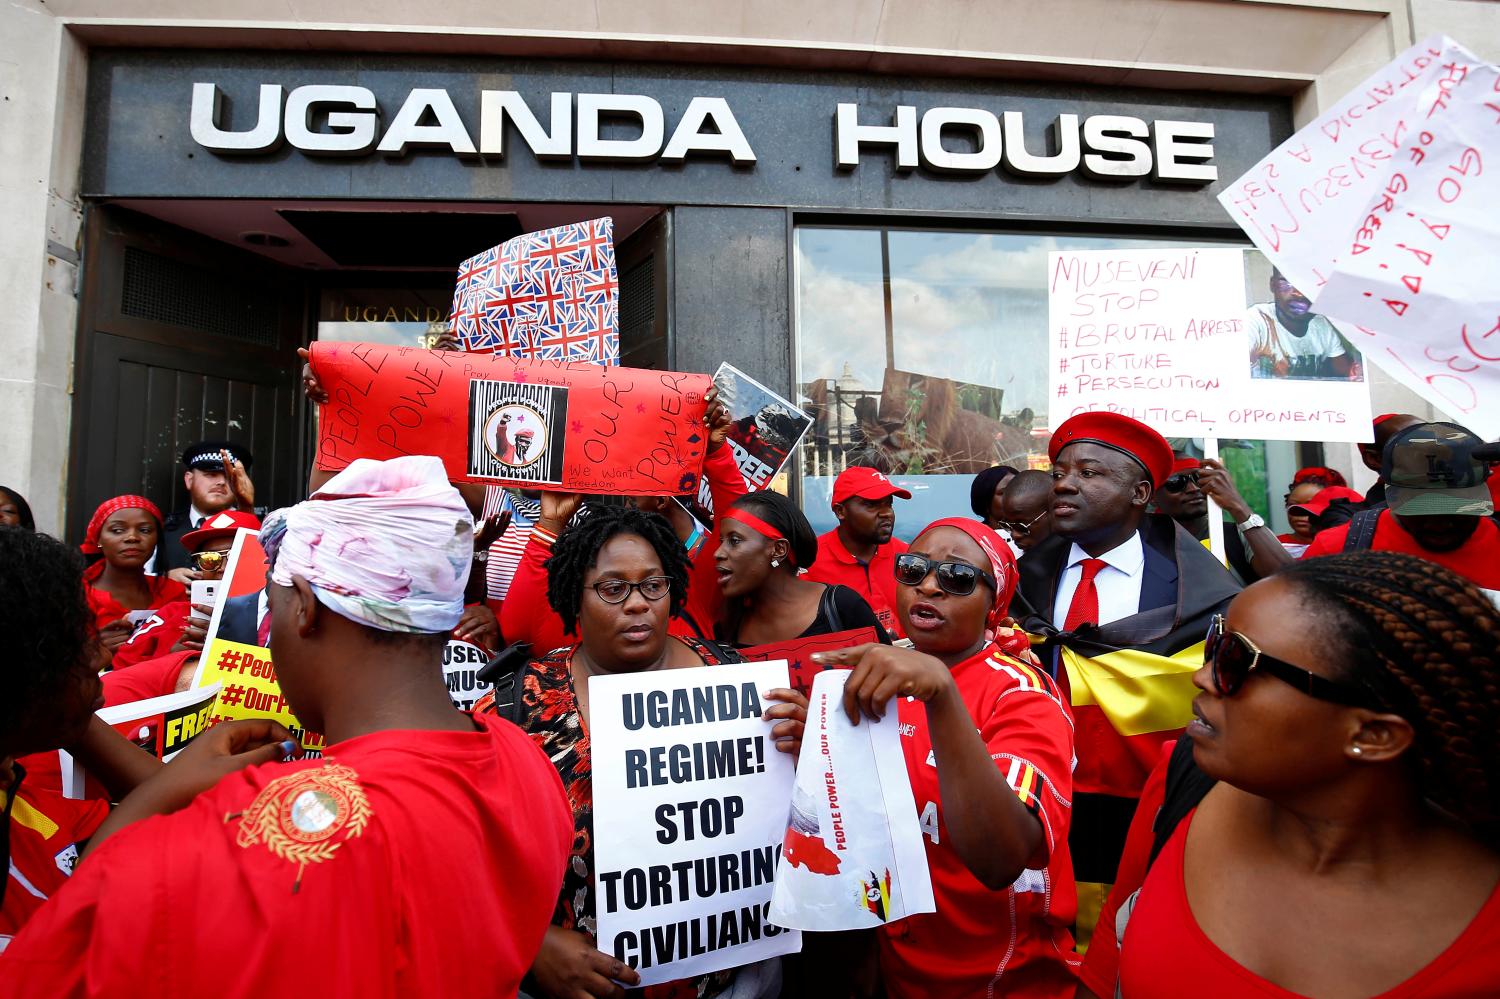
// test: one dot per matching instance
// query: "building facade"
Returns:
(852, 204)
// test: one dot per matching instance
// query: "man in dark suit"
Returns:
(1119, 597)
(211, 488)
(242, 617)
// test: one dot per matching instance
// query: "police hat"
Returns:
(205, 455)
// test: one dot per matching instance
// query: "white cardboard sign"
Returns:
(690, 806)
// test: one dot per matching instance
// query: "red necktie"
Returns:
(263, 633)
(1085, 605)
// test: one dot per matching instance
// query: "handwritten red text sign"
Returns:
(798, 653)
(573, 426)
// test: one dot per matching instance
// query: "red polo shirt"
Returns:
(874, 580)
(1477, 560)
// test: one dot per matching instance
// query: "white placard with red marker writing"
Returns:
(1383, 211)
(1168, 337)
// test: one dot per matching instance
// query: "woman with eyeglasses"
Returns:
(764, 541)
(615, 577)
(124, 531)
(1348, 848)
(989, 746)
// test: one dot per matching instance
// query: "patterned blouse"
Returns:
(549, 712)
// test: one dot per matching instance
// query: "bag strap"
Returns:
(1361, 531)
(1186, 786)
(504, 671)
(828, 608)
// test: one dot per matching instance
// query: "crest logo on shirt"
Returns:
(67, 859)
(305, 817)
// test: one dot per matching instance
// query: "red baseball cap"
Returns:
(1324, 497)
(1120, 433)
(219, 525)
(866, 483)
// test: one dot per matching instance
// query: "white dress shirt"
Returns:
(1118, 583)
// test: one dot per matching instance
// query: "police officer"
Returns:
(211, 487)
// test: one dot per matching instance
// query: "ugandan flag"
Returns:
(1130, 684)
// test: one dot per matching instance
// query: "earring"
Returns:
(1358, 751)
(775, 563)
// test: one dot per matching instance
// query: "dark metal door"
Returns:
(180, 339)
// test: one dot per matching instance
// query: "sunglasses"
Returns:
(617, 591)
(1177, 483)
(957, 578)
(1013, 528)
(208, 561)
(1232, 657)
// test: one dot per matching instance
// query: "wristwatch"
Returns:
(1251, 522)
(483, 556)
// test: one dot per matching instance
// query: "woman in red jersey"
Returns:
(125, 531)
(1349, 715)
(989, 747)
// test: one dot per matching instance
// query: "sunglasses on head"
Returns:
(1014, 527)
(1177, 483)
(208, 561)
(617, 591)
(957, 578)
(1232, 658)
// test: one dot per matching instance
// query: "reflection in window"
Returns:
(924, 354)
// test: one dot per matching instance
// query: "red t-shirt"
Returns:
(1167, 955)
(107, 609)
(875, 580)
(46, 831)
(1477, 560)
(152, 678)
(155, 637)
(1013, 942)
(402, 863)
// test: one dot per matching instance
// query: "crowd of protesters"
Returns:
(1324, 825)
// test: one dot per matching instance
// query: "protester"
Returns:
(764, 540)
(255, 872)
(861, 551)
(1120, 599)
(1319, 475)
(217, 477)
(615, 579)
(1383, 428)
(1330, 506)
(985, 490)
(1297, 518)
(14, 510)
(1438, 506)
(1182, 498)
(125, 531)
(1289, 340)
(1263, 549)
(1341, 702)
(1026, 509)
(180, 627)
(988, 743)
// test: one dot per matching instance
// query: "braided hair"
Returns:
(577, 551)
(1426, 642)
(46, 616)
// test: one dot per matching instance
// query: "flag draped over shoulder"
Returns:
(1130, 682)
(552, 295)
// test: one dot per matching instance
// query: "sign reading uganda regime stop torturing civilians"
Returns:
(575, 426)
(690, 805)
(1198, 343)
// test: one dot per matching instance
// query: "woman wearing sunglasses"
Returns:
(1348, 714)
(989, 747)
(615, 577)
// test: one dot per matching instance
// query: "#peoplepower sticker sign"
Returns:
(690, 804)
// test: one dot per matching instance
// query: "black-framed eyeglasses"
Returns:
(1232, 657)
(1177, 483)
(617, 591)
(208, 561)
(957, 578)
(1014, 528)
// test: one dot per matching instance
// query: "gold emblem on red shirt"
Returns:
(306, 816)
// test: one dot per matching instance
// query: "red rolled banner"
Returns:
(798, 653)
(570, 426)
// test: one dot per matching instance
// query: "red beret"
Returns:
(1114, 430)
(1185, 464)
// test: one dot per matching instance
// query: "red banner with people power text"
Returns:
(571, 426)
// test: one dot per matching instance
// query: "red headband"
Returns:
(90, 544)
(760, 527)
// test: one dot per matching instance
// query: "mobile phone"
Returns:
(205, 591)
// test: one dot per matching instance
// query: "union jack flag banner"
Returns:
(551, 295)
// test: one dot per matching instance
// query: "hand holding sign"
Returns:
(881, 672)
(570, 965)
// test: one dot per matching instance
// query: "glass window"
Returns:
(924, 353)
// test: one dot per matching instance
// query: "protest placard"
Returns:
(161, 726)
(236, 657)
(1381, 212)
(462, 662)
(797, 653)
(1165, 336)
(766, 428)
(690, 805)
(853, 856)
(551, 295)
(492, 419)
